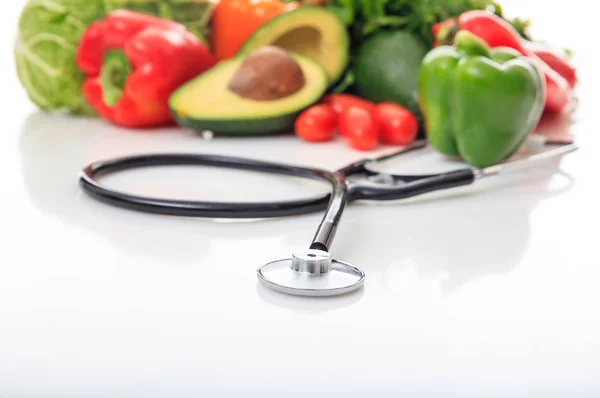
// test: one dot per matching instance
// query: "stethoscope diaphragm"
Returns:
(314, 273)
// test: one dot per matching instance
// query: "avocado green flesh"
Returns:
(304, 41)
(205, 103)
(310, 31)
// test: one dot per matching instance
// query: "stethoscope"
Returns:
(313, 272)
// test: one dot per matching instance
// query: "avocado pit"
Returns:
(269, 73)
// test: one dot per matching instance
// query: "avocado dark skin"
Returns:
(386, 68)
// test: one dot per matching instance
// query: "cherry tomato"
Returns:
(397, 125)
(317, 123)
(341, 102)
(359, 127)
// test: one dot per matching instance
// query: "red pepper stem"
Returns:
(115, 71)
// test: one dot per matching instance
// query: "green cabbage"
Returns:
(50, 30)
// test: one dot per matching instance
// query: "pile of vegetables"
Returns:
(365, 18)
(480, 111)
(50, 31)
(373, 71)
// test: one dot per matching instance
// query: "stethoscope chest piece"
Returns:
(314, 273)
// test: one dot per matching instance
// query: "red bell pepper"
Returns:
(134, 62)
(555, 60)
(497, 32)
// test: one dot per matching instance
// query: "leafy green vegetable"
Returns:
(194, 14)
(521, 26)
(345, 10)
(345, 84)
(50, 30)
(416, 16)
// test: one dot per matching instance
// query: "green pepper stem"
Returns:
(113, 76)
(446, 35)
(469, 44)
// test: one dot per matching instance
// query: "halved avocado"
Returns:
(207, 103)
(312, 31)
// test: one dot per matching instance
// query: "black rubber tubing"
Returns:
(186, 208)
(255, 210)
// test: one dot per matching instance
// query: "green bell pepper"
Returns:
(479, 103)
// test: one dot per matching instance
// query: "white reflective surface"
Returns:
(488, 291)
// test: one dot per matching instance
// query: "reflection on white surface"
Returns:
(452, 243)
(482, 288)
(51, 180)
(309, 305)
(51, 157)
(486, 291)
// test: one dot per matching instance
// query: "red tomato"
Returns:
(359, 127)
(397, 125)
(317, 123)
(341, 102)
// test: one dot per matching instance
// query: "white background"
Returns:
(490, 291)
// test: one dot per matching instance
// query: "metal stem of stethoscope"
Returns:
(522, 164)
(315, 273)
